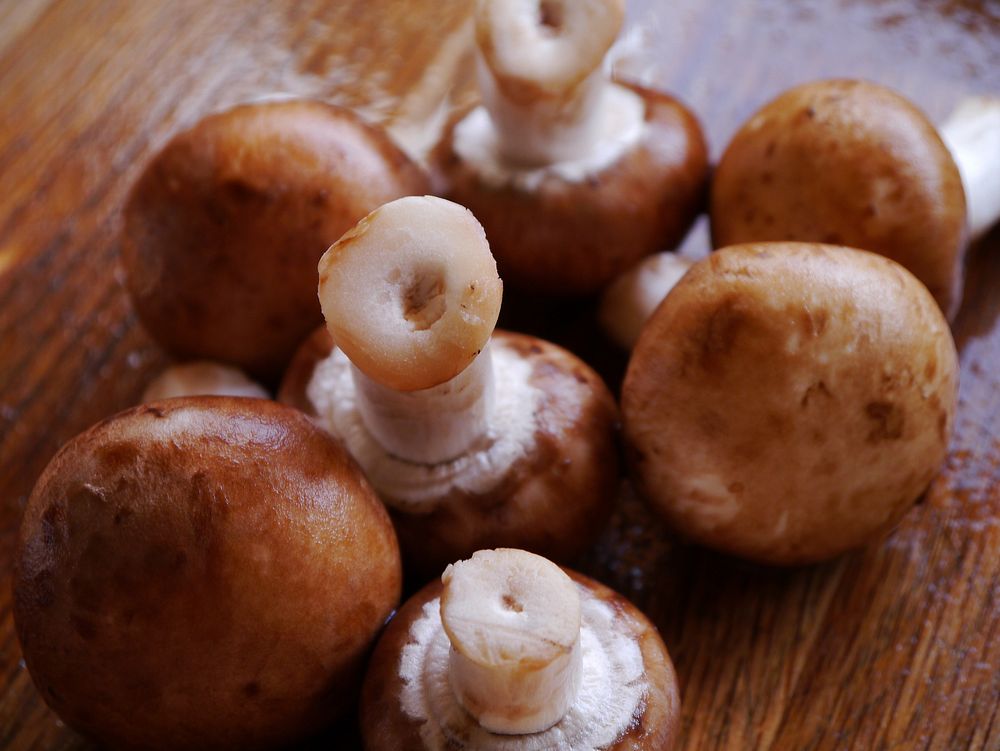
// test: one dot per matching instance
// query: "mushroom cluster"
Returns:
(212, 572)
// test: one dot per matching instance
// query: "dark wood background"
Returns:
(894, 646)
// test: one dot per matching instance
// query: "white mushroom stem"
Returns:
(202, 378)
(631, 299)
(411, 296)
(972, 133)
(541, 77)
(513, 619)
(432, 425)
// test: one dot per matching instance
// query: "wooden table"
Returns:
(894, 646)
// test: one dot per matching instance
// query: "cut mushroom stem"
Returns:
(411, 295)
(513, 619)
(972, 133)
(540, 74)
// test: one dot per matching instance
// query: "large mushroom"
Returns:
(575, 177)
(789, 401)
(772, 157)
(471, 440)
(853, 163)
(509, 652)
(223, 229)
(202, 573)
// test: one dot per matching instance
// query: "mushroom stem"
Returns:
(411, 296)
(513, 619)
(972, 133)
(541, 77)
(432, 425)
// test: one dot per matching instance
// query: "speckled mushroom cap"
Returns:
(788, 401)
(848, 163)
(543, 478)
(202, 573)
(393, 718)
(568, 237)
(224, 228)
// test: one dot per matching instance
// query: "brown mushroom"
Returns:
(224, 227)
(850, 163)
(472, 441)
(789, 401)
(202, 573)
(511, 652)
(574, 177)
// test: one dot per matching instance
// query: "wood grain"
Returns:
(894, 646)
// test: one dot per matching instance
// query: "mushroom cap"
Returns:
(572, 237)
(554, 499)
(202, 573)
(848, 163)
(224, 228)
(789, 401)
(386, 725)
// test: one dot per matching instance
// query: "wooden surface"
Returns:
(894, 646)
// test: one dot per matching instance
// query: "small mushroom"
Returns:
(223, 229)
(471, 440)
(508, 651)
(789, 401)
(202, 573)
(853, 163)
(202, 378)
(575, 177)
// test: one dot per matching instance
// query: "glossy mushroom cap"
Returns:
(789, 401)
(202, 573)
(223, 230)
(847, 163)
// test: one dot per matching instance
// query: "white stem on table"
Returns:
(972, 133)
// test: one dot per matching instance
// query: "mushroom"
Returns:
(971, 133)
(202, 378)
(853, 163)
(202, 573)
(575, 177)
(508, 651)
(223, 229)
(789, 401)
(470, 440)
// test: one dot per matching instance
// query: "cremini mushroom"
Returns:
(202, 573)
(223, 229)
(789, 401)
(575, 177)
(509, 651)
(972, 135)
(202, 378)
(472, 440)
(853, 163)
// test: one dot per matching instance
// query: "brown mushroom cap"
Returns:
(385, 725)
(572, 238)
(202, 573)
(225, 227)
(788, 401)
(848, 163)
(553, 501)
